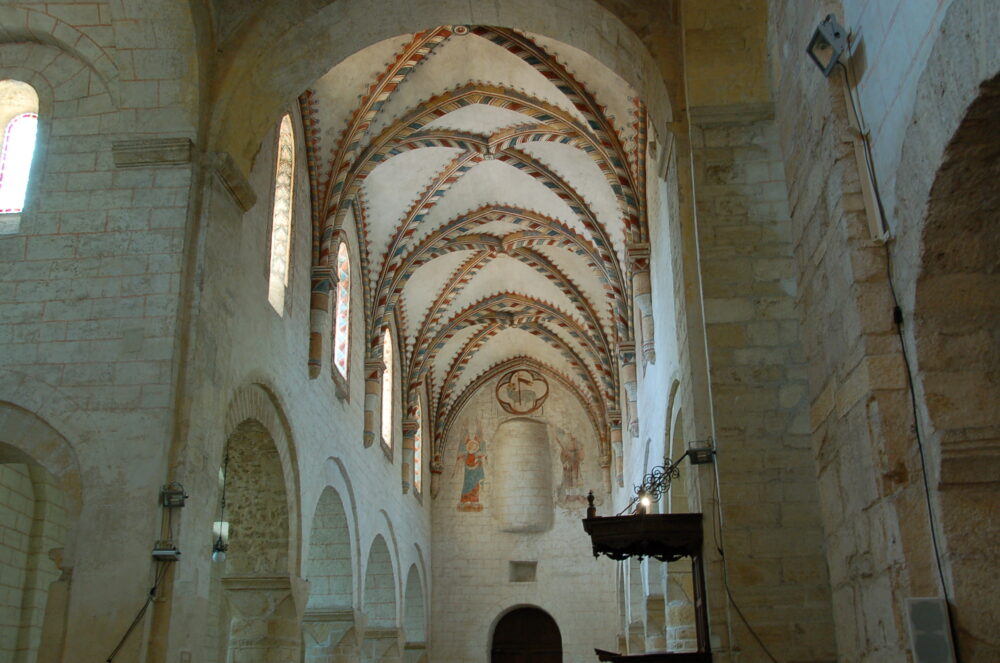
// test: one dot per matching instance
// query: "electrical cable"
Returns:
(142, 611)
(898, 324)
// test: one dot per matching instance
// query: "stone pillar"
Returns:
(626, 355)
(656, 628)
(642, 295)
(265, 624)
(680, 613)
(605, 465)
(636, 637)
(50, 645)
(382, 645)
(330, 635)
(373, 396)
(410, 427)
(324, 280)
(415, 652)
(615, 435)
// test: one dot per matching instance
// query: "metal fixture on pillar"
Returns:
(220, 546)
(828, 43)
(667, 537)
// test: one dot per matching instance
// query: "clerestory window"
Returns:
(342, 319)
(418, 449)
(281, 215)
(387, 379)
(19, 123)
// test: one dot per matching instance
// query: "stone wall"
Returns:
(244, 343)
(88, 305)
(871, 484)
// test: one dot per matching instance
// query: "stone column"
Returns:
(50, 645)
(330, 635)
(415, 652)
(410, 427)
(626, 355)
(642, 295)
(656, 628)
(373, 396)
(615, 435)
(383, 645)
(265, 624)
(605, 465)
(324, 280)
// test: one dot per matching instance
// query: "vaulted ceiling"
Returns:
(495, 180)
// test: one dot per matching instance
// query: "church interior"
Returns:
(325, 323)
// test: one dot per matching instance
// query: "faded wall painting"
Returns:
(473, 463)
(571, 492)
(561, 440)
(522, 391)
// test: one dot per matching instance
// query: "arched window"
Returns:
(418, 449)
(281, 215)
(342, 320)
(387, 377)
(15, 162)
(19, 123)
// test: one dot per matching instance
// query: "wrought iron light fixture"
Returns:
(220, 546)
(828, 43)
(658, 481)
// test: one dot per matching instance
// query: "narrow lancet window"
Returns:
(342, 321)
(387, 389)
(281, 215)
(418, 449)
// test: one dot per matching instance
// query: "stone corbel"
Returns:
(626, 355)
(437, 468)
(615, 436)
(410, 427)
(373, 396)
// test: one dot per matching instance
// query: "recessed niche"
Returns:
(523, 571)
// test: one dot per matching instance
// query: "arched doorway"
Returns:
(526, 635)
(956, 326)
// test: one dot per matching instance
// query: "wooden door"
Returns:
(526, 635)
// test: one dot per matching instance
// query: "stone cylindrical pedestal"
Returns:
(522, 490)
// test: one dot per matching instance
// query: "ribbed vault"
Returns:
(496, 195)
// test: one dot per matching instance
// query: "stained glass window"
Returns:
(15, 161)
(387, 389)
(342, 321)
(281, 215)
(418, 449)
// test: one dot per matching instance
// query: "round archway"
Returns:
(526, 635)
